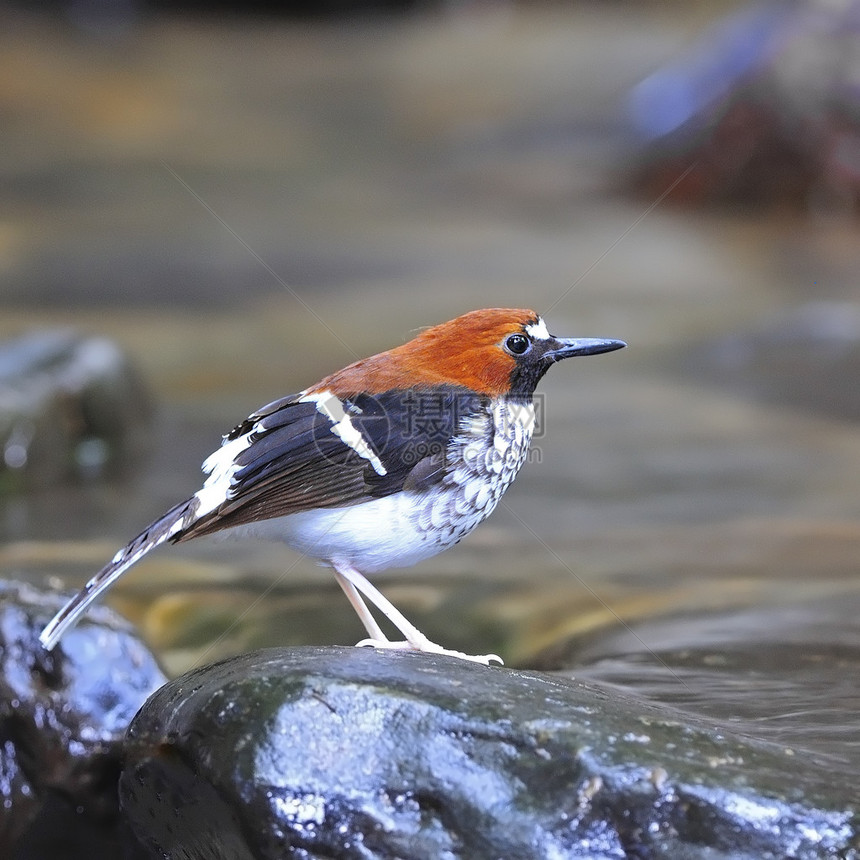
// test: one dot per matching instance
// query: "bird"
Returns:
(382, 464)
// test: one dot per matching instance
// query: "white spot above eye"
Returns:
(342, 427)
(538, 330)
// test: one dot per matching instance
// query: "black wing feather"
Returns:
(412, 441)
(295, 462)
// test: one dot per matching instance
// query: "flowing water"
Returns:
(246, 205)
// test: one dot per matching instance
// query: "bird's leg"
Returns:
(352, 582)
(360, 607)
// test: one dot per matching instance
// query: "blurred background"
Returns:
(205, 206)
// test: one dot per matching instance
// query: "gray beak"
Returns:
(567, 347)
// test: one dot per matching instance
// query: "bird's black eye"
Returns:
(517, 344)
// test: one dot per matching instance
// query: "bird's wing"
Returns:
(311, 451)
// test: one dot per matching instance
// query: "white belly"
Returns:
(371, 536)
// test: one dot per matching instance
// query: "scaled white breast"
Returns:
(513, 425)
(490, 461)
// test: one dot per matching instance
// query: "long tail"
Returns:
(168, 527)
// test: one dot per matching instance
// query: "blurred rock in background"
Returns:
(71, 407)
(808, 357)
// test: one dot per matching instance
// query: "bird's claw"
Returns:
(428, 647)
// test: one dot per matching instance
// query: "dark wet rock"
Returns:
(63, 717)
(351, 753)
(70, 406)
(762, 109)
